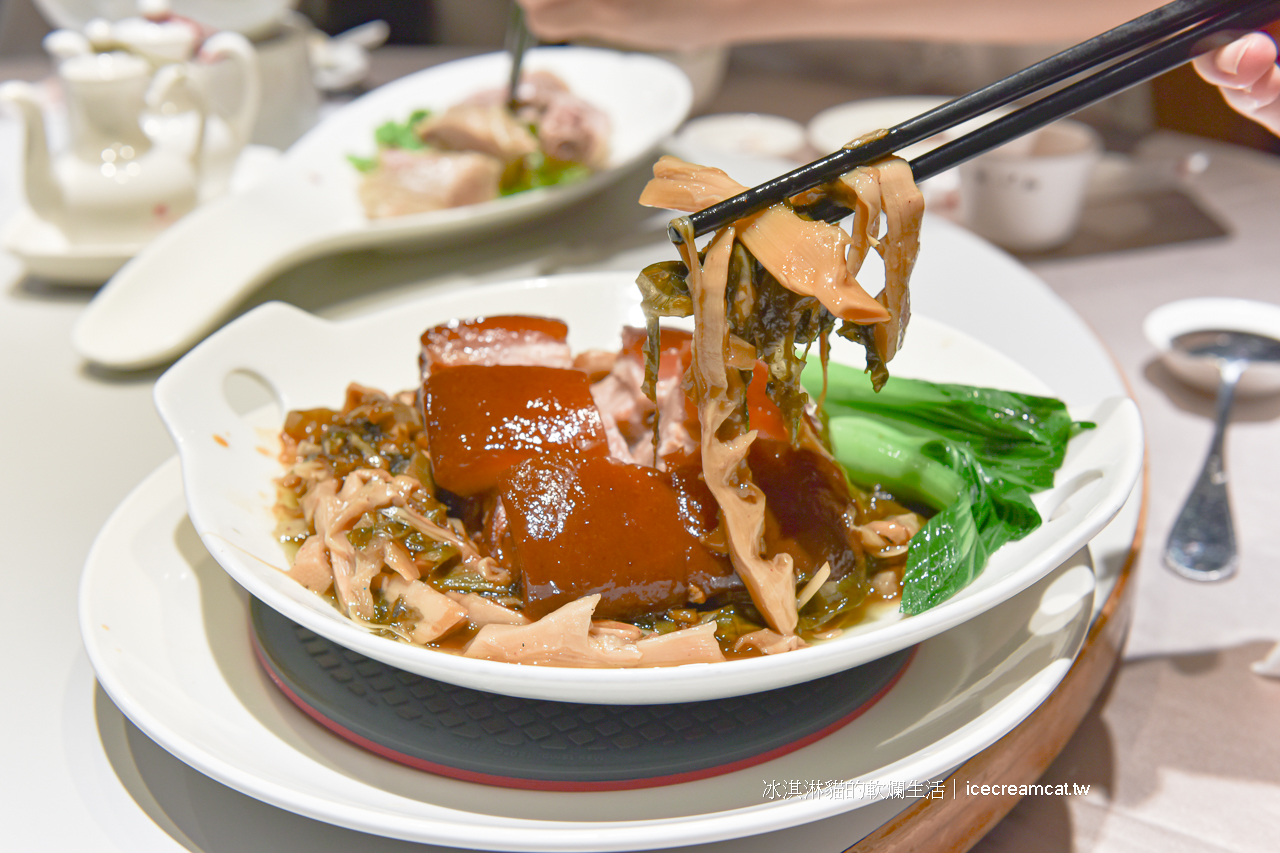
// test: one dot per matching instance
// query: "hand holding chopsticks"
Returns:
(1118, 59)
(1246, 73)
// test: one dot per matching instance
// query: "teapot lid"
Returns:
(102, 67)
(251, 18)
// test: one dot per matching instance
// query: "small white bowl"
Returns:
(835, 127)
(1195, 315)
(1028, 195)
(750, 134)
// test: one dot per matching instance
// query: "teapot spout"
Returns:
(44, 193)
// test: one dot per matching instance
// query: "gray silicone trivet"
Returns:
(503, 740)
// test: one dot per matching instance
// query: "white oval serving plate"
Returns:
(229, 463)
(167, 633)
(186, 280)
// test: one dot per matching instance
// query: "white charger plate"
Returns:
(186, 280)
(229, 462)
(167, 633)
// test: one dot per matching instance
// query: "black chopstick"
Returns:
(1126, 73)
(1153, 28)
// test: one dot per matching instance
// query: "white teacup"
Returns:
(1027, 195)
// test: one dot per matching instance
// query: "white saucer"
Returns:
(1172, 319)
(47, 253)
(745, 135)
(167, 632)
(834, 127)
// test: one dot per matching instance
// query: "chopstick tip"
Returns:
(674, 230)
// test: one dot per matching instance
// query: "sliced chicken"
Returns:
(418, 181)
(573, 130)
(487, 128)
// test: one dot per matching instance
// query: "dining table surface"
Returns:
(1180, 752)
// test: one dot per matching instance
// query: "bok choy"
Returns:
(975, 455)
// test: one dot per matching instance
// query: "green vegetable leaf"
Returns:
(874, 451)
(832, 599)
(392, 134)
(1022, 436)
(975, 454)
(943, 558)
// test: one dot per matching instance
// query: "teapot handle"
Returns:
(170, 81)
(236, 48)
(44, 193)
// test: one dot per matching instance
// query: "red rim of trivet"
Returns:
(567, 786)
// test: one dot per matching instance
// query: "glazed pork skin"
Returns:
(500, 339)
(595, 526)
(483, 419)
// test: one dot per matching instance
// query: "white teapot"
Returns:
(222, 89)
(145, 144)
(230, 91)
(115, 184)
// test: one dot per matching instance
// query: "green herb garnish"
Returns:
(395, 134)
(539, 170)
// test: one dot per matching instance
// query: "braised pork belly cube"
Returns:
(418, 181)
(809, 511)
(503, 339)
(586, 526)
(488, 128)
(482, 419)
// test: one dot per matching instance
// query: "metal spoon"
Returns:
(518, 40)
(1202, 544)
